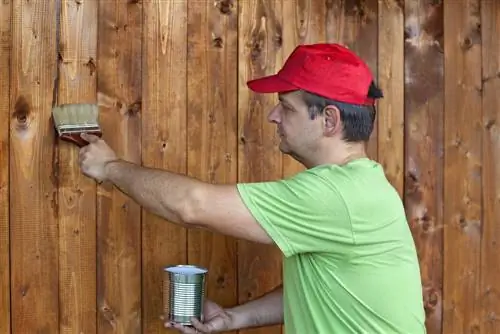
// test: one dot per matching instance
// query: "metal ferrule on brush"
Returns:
(69, 129)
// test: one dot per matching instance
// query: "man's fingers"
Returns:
(216, 324)
(181, 328)
(89, 137)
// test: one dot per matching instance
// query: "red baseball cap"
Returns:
(329, 70)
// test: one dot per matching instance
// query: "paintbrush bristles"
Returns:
(76, 115)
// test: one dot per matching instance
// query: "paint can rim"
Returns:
(185, 269)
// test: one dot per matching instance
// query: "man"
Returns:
(350, 264)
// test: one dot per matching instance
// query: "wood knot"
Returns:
(408, 33)
(401, 4)
(91, 65)
(134, 108)
(462, 222)
(489, 124)
(220, 281)
(413, 186)
(466, 43)
(163, 146)
(22, 112)
(218, 43)
(431, 300)
(225, 6)
(278, 41)
(256, 49)
(211, 118)
(426, 222)
(24, 290)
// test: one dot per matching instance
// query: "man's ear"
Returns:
(331, 120)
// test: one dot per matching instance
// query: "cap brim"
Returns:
(270, 84)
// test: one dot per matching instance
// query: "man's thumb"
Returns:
(89, 138)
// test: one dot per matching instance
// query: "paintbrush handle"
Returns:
(77, 140)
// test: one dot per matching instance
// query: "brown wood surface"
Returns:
(164, 126)
(260, 53)
(33, 170)
(390, 135)
(212, 130)
(77, 193)
(119, 85)
(463, 131)
(5, 51)
(170, 80)
(489, 290)
(424, 107)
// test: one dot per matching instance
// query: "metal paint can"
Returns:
(183, 293)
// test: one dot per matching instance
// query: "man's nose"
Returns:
(274, 115)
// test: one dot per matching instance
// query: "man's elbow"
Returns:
(191, 208)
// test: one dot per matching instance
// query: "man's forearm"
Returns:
(264, 311)
(163, 193)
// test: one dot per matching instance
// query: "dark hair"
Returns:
(358, 120)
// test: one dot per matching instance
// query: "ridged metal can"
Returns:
(183, 293)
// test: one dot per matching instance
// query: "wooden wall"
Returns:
(76, 257)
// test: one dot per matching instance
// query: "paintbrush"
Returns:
(71, 120)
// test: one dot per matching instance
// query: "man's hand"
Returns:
(264, 311)
(216, 320)
(94, 157)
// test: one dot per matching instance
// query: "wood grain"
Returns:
(424, 107)
(33, 170)
(164, 141)
(490, 271)
(355, 25)
(77, 193)
(119, 217)
(391, 80)
(463, 119)
(5, 50)
(260, 53)
(212, 131)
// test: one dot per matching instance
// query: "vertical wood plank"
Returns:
(5, 49)
(119, 217)
(355, 25)
(260, 53)
(391, 80)
(77, 193)
(164, 140)
(33, 170)
(490, 271)
(304, 24)
(424, 108)
(463, 164)
(212, 131)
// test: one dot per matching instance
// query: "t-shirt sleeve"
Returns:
(305, 213)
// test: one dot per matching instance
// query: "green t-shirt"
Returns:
(350, 263)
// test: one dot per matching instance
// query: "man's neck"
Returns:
(340, 155)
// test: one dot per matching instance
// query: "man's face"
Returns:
(299, 134)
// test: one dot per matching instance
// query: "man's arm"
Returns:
(264, 311)
(187, 201)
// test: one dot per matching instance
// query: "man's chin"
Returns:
(283, 148)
